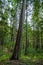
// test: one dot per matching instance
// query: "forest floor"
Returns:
(21, 62)
(31, 59)
(24, 60)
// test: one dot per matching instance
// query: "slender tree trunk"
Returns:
(26, 33)
(2, 36)
(41, 37)
(15, 55)
(37, 39)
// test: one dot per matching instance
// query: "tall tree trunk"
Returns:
(15, 55)
(35, 24)
(26, 33)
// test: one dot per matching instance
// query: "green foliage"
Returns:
(4, 57)
(34, 33)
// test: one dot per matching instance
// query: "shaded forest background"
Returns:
(21, 29)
